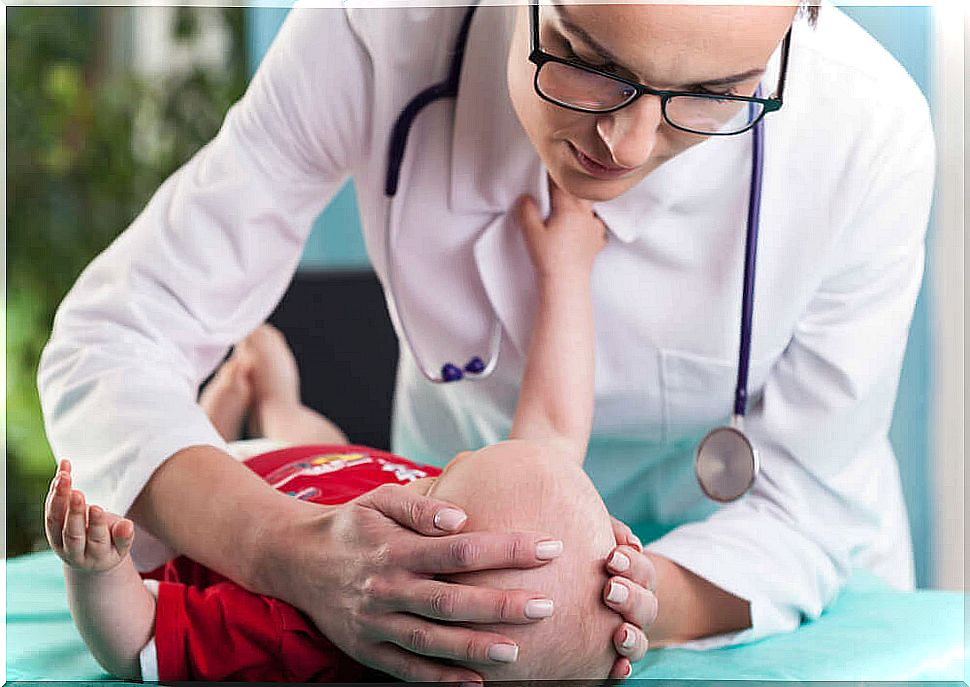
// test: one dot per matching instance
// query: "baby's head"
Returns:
(520, 485)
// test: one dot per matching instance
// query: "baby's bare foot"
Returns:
(86, 538)
(227, 398)
(275, 379)
(272, 367)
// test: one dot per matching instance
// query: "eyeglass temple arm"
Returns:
(785, 49)
(534, 9)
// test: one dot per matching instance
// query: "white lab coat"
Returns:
(848, 177)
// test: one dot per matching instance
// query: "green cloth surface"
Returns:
(869, 633)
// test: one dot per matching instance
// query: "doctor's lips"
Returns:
(597, 168)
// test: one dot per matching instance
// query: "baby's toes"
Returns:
(75, 531)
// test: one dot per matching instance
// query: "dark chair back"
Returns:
(337, 324)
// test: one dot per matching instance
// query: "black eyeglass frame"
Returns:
(540, 58)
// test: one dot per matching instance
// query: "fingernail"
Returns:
(629, 670)
(539, 608)
(503, 653)
(656, 608)
(629, 639)
(449, 519)
(619, 562)
(637, 543)
(618, 593)
(547, 550)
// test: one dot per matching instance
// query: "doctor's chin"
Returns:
(524, 343)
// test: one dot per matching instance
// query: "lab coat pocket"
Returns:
(698, 391)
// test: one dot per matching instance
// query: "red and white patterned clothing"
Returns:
(207, 627)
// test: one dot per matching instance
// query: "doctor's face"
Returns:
(666, 47)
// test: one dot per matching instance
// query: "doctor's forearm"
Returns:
(690, 607)
(215, 510)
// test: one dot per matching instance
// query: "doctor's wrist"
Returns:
(279, 550)
(689, 607)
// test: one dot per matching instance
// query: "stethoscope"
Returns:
(725, 461)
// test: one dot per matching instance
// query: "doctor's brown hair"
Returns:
(810, 9)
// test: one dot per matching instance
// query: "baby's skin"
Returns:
(534, 481)
(114, 612)
(515, 484)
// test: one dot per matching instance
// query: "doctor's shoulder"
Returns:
(856, 86)
(857, 127)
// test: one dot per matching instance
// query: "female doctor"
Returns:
(619, 113)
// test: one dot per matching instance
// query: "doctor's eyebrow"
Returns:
(602, 51)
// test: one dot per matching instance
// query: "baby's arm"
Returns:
(113, 610)
(556, 398)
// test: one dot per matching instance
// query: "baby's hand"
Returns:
(86, 538)
(567, 242)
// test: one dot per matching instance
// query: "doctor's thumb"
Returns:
(414, 511)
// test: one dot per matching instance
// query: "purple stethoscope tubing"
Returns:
(478, 369)
(750, 257)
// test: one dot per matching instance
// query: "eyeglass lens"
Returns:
(589, 91)
(576, 87)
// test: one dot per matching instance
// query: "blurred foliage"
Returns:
(88, 142)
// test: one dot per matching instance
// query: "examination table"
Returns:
(337, 325)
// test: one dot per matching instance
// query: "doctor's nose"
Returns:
(630, 134)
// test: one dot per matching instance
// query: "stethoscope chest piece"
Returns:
(726, 464)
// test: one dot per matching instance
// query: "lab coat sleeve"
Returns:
(827, 498)
(203, 264)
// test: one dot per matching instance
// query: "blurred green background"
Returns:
(93, 128)
(103, 103)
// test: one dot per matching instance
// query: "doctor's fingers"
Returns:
(416, 512)
(395, 661)
(632, 563)
(477, 551)
(449, 642)
(463, 603)
(630, 641)
(634, 603)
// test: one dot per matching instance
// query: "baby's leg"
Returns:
(277, 411)
(112, 609)
(227, 397)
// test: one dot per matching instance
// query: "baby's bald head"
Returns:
(521, 485)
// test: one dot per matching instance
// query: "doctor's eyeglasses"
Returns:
(575, 85)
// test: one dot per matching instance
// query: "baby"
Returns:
(193, 624)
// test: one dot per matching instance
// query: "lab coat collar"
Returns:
(493, 161)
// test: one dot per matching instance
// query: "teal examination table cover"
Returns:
(869, 633)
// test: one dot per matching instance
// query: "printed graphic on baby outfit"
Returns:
(318, 465)
(402, 473)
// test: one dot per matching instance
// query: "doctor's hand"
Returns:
(566, 243)
(629, 593)
(368, 583)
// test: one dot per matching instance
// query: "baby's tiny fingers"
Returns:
(122, 534)
(56, 510)
(75, 534)
(99, 538)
